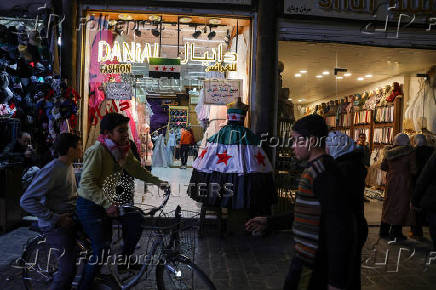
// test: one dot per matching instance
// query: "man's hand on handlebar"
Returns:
(112, 211)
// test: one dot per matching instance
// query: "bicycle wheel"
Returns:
(181, 273)
(130, 277)
(39, 264)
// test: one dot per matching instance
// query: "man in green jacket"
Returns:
(95, 205)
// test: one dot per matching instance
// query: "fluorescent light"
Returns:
(300, 101)
(319, 76)
(368, 76)
(360, 79)
(325, 73)
(297, 75)
(347, 75)
(303, 71)
(339, 78)
(203, 40)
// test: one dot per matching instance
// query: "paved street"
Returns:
(241, 261)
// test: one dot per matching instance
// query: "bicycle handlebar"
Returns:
(124, 209)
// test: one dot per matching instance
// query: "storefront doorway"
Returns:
(167, 73)
(377, 91)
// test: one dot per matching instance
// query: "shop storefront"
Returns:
(165, 69)
(365, 66)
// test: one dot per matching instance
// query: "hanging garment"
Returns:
(160, 153)
(237, 167)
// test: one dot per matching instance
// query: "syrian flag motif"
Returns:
(164, 67)
(241, 159)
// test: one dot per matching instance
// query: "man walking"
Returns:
(322, 222)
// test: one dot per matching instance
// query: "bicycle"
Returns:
(167, 243)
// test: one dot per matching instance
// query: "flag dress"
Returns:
(233, 171)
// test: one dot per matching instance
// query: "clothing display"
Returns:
(362, 117)
(383, 135)
(358, 131)
(384, 114)
(160, 153)
(237, 171)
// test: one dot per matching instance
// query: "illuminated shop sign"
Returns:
(119, 68)
(126, 52)
(223, 62)
(133, 52)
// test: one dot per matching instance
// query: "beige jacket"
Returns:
(98, 164)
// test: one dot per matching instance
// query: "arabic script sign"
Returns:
(118, 91)
(221, 92)
(371, 10)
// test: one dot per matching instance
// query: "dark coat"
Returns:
(353, 173)
(425, 190)
(400, 164)
(423, 154)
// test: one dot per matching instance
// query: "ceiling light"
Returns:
(368, 76)
(325, 73)
(155, 18)
(300, 101)
(124, 17)
(155, 31)
(303, 71)
(289, 99)
(185, 19)
(339, 78)
(347, 75)
(360, 79)
(319, 76)
(215, 21)
(211, 34)
(298, 75)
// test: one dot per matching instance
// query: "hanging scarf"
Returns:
(117, 151)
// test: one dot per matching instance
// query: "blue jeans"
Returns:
(62, 240)
(98, 226)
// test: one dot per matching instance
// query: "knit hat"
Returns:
(312, 125)
(401, 139)
(339, 144)
(420, 140)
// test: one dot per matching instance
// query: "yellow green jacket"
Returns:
(98, 164)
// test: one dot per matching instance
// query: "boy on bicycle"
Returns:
(109, 154)
(51, 197)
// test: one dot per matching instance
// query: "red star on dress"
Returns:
(172, 68)
(164, 68)
(203, 153)
(223, 157)
(156, 68)
(260, 158)
(233, 117)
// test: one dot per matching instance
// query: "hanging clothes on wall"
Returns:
(384, 114)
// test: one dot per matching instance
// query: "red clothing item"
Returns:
(186, 138)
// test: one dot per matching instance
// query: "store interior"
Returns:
(163, 62)
(361, 89)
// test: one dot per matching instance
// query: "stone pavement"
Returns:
(241, 261)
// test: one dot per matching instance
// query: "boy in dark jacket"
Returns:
(423, 153)
(322, 223)
(425, 195)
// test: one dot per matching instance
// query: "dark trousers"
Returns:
(184, 150)
(394, 231)
(304, 277)
(431, 219)
(98, 226)
(419, 222)
(62, 241)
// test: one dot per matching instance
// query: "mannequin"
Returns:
(234, 167)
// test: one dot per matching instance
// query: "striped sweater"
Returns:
(307, 218)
